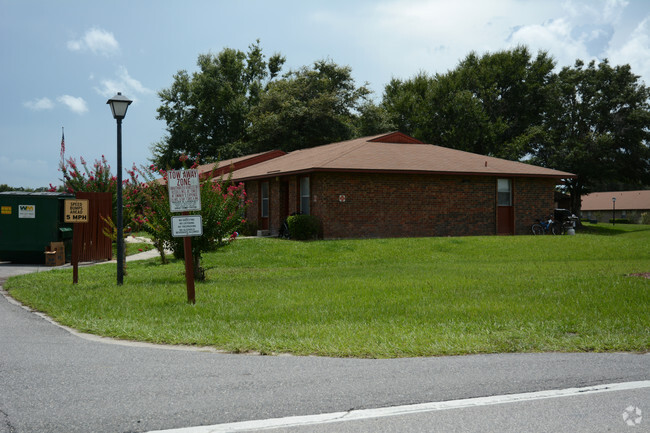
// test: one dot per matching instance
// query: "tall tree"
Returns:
(487, 105)
(373, 119)
(598, 128)
(207, 112)
(307, 107)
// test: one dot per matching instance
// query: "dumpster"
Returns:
(30, 222)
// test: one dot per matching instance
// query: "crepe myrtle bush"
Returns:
(84, 178)
(223, 205)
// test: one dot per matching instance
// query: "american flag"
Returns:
(62, 143)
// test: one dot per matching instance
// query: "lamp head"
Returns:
(119, 104)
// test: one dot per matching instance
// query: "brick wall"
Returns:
(253, 194)
(361, 205)
(533, 198)
(392, 205)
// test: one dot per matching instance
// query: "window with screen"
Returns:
(304, 195)
(504, 191)
(264, 198)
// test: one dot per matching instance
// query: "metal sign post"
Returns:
(185, 195)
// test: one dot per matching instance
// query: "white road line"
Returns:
(355, 415)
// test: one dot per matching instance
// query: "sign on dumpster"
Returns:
(184, 190)
(26, 211)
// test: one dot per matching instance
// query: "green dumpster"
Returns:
(29, 222)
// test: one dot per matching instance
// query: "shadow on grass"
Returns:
(611, 230)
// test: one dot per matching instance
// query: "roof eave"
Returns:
(273, 174)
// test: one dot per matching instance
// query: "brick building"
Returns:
(629, 205)
(392, 185)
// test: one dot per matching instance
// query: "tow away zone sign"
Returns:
(184, 190)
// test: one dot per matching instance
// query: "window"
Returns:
(264, 198)
(304, 195)
(504, 192)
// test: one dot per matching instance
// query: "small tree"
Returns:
(147, 206)
(222, 207)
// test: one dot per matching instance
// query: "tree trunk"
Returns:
(199, 272)
(576, 190)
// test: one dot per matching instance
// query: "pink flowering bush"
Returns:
(83, 178)
(222, 206)
(86, 179)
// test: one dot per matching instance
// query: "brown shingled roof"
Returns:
(216, 169)
(393, 153)
(625, 200)
(223, 167)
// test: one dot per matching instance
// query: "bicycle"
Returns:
(546, 226)
(284, 232)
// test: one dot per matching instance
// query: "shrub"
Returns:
(645, 218)
(619, 221)
(304, 227)
(249, 228)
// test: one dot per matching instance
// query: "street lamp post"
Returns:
(119, 105)
(613, 211)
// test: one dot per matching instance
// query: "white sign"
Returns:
(184, 190)
(187, 225)
(26, 211)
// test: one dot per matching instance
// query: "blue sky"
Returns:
(62, 60)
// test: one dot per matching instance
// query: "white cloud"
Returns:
(77, 105)
(556, 37)
(39, 104)
(595, 12)
(97, 41)
(432, 35)
(124, 83)
(635, 51)
(613, 10)
(408, 36)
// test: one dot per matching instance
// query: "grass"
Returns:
(135, 247)
(375, 298)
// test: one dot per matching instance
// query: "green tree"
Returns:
(373, 119)
(598, 128)
(487, 105)
(405, 103)
(207, 112)
(306, 108)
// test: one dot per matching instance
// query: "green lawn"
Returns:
(375, 298)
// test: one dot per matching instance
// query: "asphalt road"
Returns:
(52, 380)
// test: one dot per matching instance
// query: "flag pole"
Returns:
(62, 144)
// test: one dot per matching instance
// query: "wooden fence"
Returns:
(89, 239)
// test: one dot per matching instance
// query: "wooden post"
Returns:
(74, 256)
(189, 267)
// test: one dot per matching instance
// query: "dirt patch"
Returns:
(641, 274)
